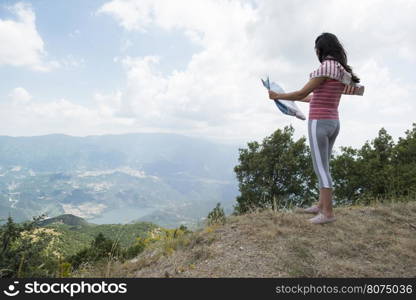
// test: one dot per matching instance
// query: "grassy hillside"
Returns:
(74, 233)
(370, 241)
(67, 219)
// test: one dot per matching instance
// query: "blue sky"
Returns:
(193, 67)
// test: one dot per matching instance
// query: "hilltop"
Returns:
(67, 219)
(365, 241)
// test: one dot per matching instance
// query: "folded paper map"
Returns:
(287, 107)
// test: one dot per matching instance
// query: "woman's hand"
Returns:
(273, 95)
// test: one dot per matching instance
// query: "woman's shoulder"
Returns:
(332, 69)
(329, 68)
(331, 63)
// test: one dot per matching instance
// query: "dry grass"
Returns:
(372, 241)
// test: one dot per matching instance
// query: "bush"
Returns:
(216, 216)
(101, 248)
(135, 249)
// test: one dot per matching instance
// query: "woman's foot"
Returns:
(322, 219)
(312, 210)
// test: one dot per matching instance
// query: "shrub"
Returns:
(216, 216)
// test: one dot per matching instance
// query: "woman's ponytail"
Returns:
(353, 76)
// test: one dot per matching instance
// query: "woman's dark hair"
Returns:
(328, 44)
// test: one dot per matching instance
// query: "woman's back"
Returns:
(325, 100)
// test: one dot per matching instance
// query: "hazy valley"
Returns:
(163, 178)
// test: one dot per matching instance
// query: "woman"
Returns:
(333, 78)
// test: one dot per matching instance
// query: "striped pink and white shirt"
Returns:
(326, 97)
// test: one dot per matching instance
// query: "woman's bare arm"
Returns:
(307, 98)
(300, 95)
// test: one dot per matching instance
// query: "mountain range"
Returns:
(167, 179)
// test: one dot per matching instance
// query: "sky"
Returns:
(194, 67)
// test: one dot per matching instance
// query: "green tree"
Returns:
(365, 173)
(347, 176)
(23, 250)
(379, 169)
(404, 162)
(277, 173)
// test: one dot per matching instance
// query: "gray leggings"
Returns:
(322, 134)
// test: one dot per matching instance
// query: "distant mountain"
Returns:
(161, 154)
(116, 178)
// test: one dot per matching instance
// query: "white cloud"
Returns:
(24, 112)
(130, 15)
(19, 96)
(212, 92)
(21, 44)
(387, 103)
(219, 93)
